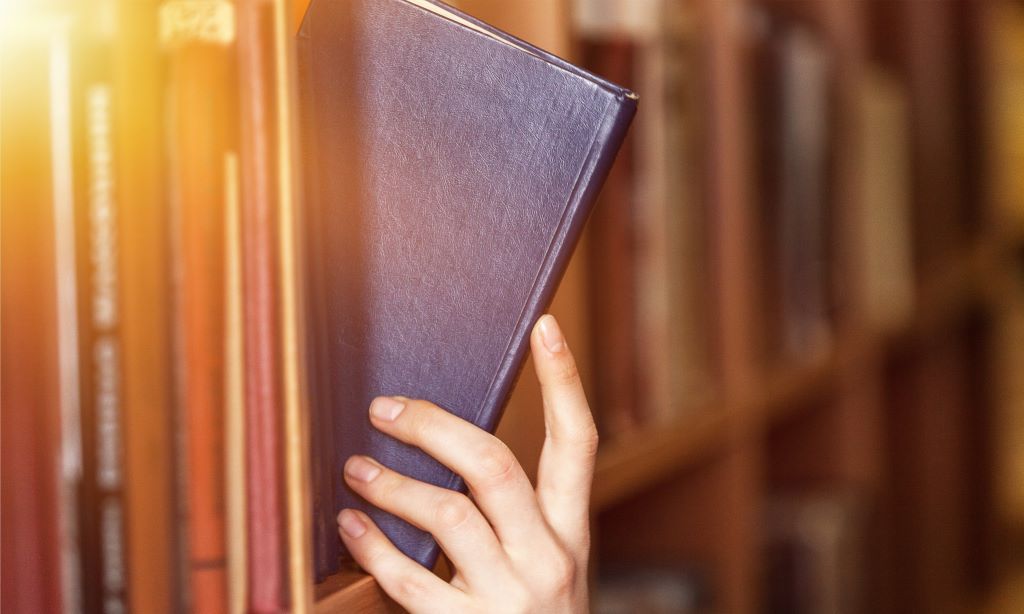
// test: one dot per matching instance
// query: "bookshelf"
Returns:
(798, 309)
(897, 412)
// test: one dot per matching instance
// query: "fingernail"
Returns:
(351, 524)
(386, 408)
(362, 469)
(550, 334)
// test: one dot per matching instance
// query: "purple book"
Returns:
(449, 169)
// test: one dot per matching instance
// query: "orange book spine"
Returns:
(202, 86)
(150, 522)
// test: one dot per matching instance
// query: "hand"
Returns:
(515, 549)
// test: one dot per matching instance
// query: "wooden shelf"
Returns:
(352, 591)
(636, 460)
(633, 462)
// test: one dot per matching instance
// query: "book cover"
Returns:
(454, 169)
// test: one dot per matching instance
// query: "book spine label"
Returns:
(102, 351)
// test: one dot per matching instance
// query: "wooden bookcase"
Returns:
(901, 414)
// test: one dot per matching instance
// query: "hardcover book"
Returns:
(449, 169)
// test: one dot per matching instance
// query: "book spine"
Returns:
(34, 197)
(234, 390)
(326, 544)
(613, 263)
(145, 295)
(803, 194)
(293, 316)
(267, 588)
(200, 39)
(606, 146)
(70, 449)
(97, 242)
(101, 350)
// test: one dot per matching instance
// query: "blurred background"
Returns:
(798, 307)
(798, 304)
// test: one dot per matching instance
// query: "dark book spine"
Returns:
(803, 196)
(613, 262)
(326, 544)
(101, 502)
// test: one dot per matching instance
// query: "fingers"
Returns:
(451, 517)
(414, 588)
(567, 459)
(497, 481)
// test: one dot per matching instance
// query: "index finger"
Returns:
(570, 445)
(494, 476)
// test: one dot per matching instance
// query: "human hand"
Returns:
(515, 549)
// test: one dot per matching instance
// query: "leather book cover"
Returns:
(452, 167)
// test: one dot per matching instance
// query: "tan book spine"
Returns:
(234, 394)
(293, 353)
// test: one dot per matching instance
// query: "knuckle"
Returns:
(408, 589)
(384, 488)
(497, 463)
(372, 560)
(452, 510)
(561, 574)
(424, 419)
(590, 440)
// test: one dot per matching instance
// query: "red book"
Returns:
(202, 102)
(261, 333)
(30, 540)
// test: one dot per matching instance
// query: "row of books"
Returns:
(218, 284)
(813, 547)
(653, 253)
(151, 359)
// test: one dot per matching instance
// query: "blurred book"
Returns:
(1006, 125)
(884, 212)
(814, 554)
(651, 590)
(39, 447)
(792, 129)
(649, 289)
(1009, 441)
